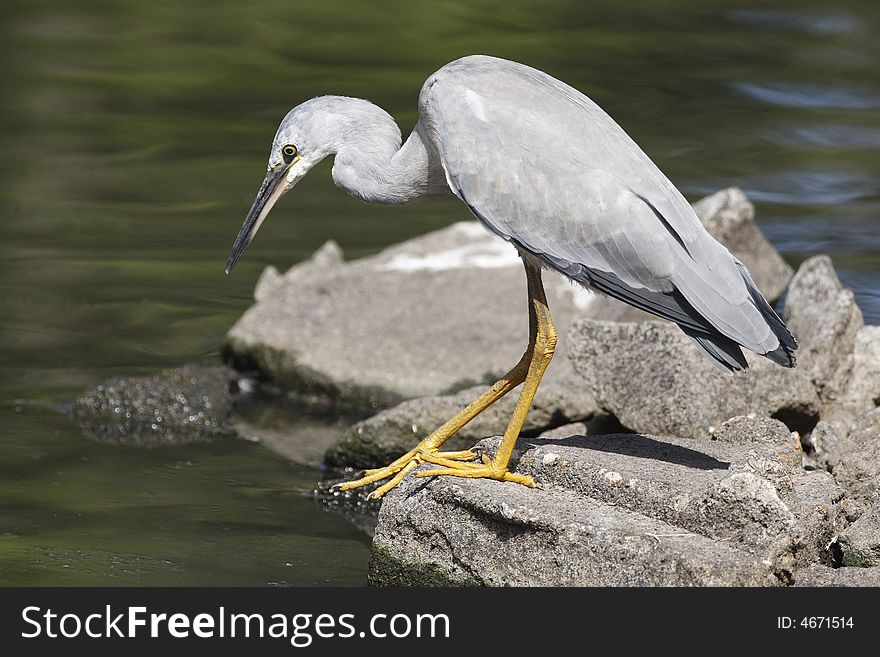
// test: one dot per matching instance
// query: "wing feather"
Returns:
(544, 167)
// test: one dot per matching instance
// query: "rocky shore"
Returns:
(654, 468)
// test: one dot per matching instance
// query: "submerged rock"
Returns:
(289, 429)
(187, 404)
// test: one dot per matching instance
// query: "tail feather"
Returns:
(784, 354)
(724, 353)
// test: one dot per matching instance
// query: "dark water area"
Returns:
(132, 140)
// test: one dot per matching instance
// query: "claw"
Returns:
(384, 488)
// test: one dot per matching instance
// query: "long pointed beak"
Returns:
(271, 190)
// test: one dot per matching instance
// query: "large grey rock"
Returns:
(394, 431)
(186, 404)
(819, 575)
(654, 380)
(824, 317)
(430, 316)
(467, 533)
(327, 258)
(860, 542)
(617, 510)
(730, 217)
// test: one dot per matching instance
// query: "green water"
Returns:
(134, 135)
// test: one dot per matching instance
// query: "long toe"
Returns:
(479, 472)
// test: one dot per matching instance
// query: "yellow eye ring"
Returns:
(288, 152)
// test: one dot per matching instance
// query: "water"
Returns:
(134, 136)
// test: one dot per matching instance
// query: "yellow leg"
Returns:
(542, 349)
(542, 341)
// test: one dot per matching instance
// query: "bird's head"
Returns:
(303, 139)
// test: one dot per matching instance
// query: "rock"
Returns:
(857, 462)
(270, 279)
(380, 439)
(572, 430)
(745, 431)
(427, 317)
(818, 575)
(860, 542)
(863, 387)
(327, 258)
(186, 404)
(617, 510)
(465, 533)
(828, 444)
(730, 217)
(654, 380)
(824, 317)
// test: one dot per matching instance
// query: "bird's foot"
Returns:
(484, 470)
(402, 466)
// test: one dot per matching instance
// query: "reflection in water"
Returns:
(133, 136)
(808, 187)
(813, 21)
(809, 95)
(828, 136)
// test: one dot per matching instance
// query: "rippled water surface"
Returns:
(134, 136)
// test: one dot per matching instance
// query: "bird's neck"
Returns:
(372, 165)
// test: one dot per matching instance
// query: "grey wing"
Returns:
(544, 167)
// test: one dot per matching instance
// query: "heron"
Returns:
(542, 166)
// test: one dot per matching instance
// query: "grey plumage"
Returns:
(542, 166)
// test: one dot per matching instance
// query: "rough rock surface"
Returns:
(617, 510)
(819, 575)
(854, 460)
(385, 436)
(863, 387)
(654, 380)
(327, 258)
(186, 404)
(824, 317)
(860, 542)
(460, 533)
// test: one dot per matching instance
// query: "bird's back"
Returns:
(543, 166)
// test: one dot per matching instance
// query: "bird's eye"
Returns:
(288, 152)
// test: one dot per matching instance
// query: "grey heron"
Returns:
(540, 165)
